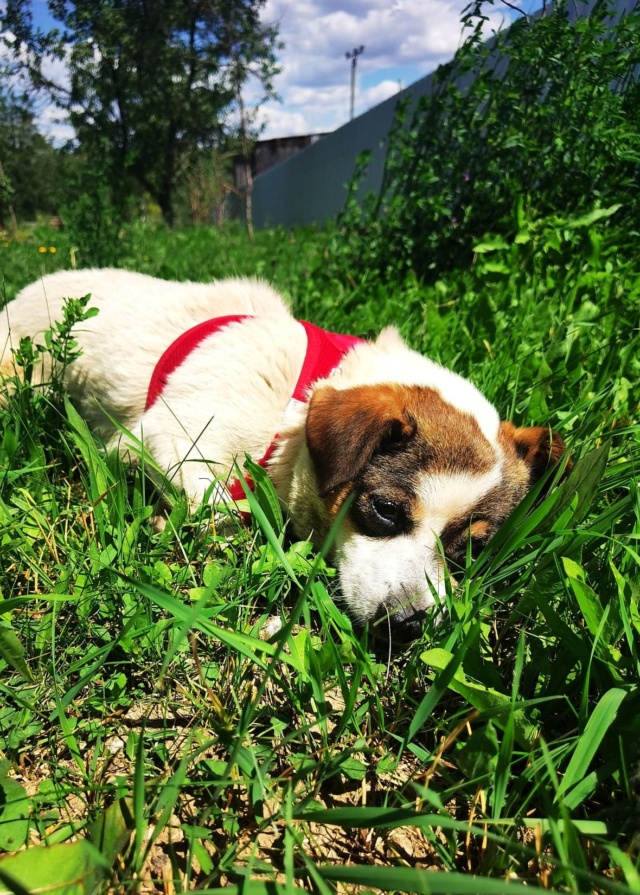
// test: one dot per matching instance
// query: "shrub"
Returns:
(547, 111)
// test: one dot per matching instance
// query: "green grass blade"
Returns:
(591, 738)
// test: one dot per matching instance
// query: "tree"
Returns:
(149, 83)
(29, 164)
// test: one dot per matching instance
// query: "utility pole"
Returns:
(353, 56)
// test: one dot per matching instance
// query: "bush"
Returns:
(508, 120)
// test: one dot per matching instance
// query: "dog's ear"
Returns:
(345, 428)
(540, 448)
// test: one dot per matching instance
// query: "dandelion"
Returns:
(53, 250)
(42, 249)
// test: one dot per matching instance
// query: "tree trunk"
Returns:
(246, 157)
(12, 214)
(248, 190)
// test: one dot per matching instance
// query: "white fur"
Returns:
(140, 316)
(389, 360)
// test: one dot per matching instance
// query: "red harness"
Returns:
(325, 350)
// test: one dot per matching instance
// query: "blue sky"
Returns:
(403, 39)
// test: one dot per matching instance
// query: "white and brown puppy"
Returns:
(420, 452)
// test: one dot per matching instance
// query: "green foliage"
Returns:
(95, 211)
(283, 257)
(509, 121)
(148, 666)
(75, 868)
(30, 174)
(196, 702)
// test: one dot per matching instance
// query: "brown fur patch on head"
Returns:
(479, 529)
(455, 536)
(528, 453)
(409, 429)
(334, 501)
(345, 428)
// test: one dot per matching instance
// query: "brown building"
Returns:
(267, 153)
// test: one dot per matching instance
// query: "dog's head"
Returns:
(419, 469)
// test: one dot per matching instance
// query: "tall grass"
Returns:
(154, 735)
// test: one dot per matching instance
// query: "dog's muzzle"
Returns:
(400, 624)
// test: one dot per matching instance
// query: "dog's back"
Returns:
(139, 317)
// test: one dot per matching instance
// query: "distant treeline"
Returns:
(153, 93)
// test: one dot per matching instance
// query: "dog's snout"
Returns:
(401, 623)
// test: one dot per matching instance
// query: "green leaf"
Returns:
(100, 478)
(250, 647)
(265, 494)
(586, 597)
(479, 755)
(591, 738)
(586, 220)
(412, 879)
(353, 768)
(267, 528)
(602, 624)
(74, 868)
(14, 815)
(431, 699)
(493, 245)
(582, 482)
(12, 650)
(257, 887)
(485, 699)
(111, 831)
(299, 647)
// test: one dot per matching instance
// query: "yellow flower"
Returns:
(42, 249)
(52, 249)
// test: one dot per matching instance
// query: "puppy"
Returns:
(206, 373)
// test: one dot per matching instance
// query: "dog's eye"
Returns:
(380, 517)
(386, 510)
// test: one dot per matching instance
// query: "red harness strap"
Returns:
(325, 350)
(180, 349)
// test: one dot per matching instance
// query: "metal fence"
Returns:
(311, 186)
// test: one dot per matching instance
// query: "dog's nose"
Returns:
(401, 624)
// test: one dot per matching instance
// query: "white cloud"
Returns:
(293, 124)
(403, 39)
(53, 122)
(314, 86)
(377, 94)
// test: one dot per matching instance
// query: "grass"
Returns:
(152, 737)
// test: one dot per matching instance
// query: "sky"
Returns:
(403, 41)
